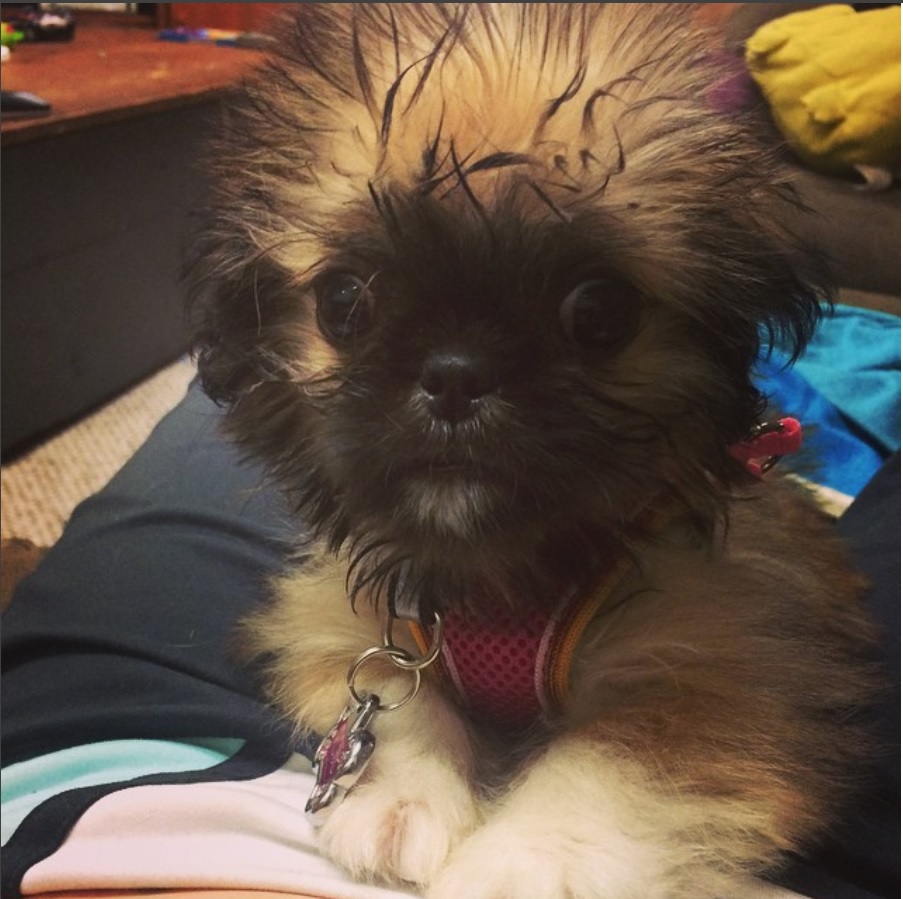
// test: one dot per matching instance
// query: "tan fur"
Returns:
(492, 93)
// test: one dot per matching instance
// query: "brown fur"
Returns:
(562, 261)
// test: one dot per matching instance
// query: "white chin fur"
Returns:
(452, 508)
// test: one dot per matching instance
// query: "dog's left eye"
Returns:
(598, 314)
(344, 306)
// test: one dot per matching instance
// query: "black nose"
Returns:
(455, 383)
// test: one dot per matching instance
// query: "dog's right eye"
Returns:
(599, 314)
(344, 306)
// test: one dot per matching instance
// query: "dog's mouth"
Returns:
(449, 471)
(460, 462)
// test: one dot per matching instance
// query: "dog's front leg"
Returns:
(586, 821)
(414, 802)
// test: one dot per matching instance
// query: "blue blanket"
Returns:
(845, 390)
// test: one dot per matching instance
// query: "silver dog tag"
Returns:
(342, 757)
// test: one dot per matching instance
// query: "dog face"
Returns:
(485, 279)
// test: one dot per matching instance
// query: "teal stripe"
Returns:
(25, 785)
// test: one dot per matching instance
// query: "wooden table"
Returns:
(115, 69)
(96, 213)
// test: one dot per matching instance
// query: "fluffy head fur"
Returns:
(542, 196)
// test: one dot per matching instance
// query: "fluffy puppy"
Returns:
(483, 284)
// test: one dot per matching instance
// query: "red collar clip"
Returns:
(767, 443)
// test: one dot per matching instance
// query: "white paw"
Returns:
(401, 825)
(493, 865)
(502, 861)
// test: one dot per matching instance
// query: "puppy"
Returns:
(483, 285)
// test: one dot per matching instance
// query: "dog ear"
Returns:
(238, 292)
(228, 298)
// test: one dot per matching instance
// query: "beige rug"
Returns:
(40, 490)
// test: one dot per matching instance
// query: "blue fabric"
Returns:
(845, 389)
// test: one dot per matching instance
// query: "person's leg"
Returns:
(124, 629)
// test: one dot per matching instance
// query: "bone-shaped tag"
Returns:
(342, 757)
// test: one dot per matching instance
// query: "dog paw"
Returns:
(401, 828)
(492, 865)
(507, 860)
(488, 868)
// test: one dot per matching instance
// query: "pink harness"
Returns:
(513, 669)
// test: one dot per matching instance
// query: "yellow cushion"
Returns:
(832, 79)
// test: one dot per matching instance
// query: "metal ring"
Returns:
(405, 660)
(395, 655)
